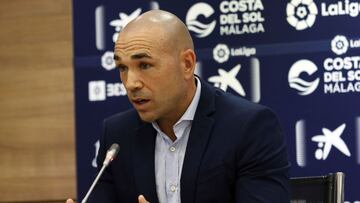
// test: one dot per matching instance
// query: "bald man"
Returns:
(185, 141)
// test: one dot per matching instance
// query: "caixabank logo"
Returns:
(118, 24)
(227, 79)
(302, 14)
(324, 142)
(236, 17)
(321, 145)
(110, 29)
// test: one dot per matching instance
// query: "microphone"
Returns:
(110, 155)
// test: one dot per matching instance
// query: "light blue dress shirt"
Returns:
(169, 155)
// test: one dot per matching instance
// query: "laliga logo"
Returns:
(228, 79)
(301, 14)
(107, 60)
(221, 53)
(303, 87)
(339, 45)
(201, 30)
(97, 90)
(328, 140)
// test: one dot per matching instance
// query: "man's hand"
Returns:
(141, 199)
(70, 201)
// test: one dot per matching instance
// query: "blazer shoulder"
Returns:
(235, 105)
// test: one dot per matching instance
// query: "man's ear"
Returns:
(188, 59)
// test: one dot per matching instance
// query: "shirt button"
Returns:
(172, 188)
(172, 149)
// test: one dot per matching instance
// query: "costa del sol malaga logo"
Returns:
(200, 29)
(303, 87)
(301, 14)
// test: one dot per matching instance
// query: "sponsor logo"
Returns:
(326, 143)
(328, 140)
(107, 60)
(222, 52)
(301, 14)
(339, 45)
(200, 29)
(123, 20)
(100, 90)
(303, 87)
(239, 17)
(97, 90)
(228, 79)
(340, 8)
(340, 75)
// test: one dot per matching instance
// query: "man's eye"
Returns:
(144, 65)
(122, 68)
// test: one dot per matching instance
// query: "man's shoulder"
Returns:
(225, 101)
(235, 104)
(229, 107)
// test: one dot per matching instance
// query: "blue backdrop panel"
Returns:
(299, 57)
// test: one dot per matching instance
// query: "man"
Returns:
(185, 141)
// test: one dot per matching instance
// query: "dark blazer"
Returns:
(235, 153)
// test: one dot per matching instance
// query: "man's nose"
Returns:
(133, 82)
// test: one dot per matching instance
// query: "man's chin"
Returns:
(146, 117)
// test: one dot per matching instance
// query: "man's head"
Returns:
(156, 59)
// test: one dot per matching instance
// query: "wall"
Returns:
(37, 115)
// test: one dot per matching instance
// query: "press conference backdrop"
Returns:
(299, 57)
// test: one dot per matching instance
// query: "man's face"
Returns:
(152, 75)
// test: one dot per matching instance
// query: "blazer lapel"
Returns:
(197, 143)
(143, 162)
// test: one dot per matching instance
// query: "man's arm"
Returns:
(262, 170)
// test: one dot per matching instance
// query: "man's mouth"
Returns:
(140, 101)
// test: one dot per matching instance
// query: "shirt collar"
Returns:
(190, 111)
